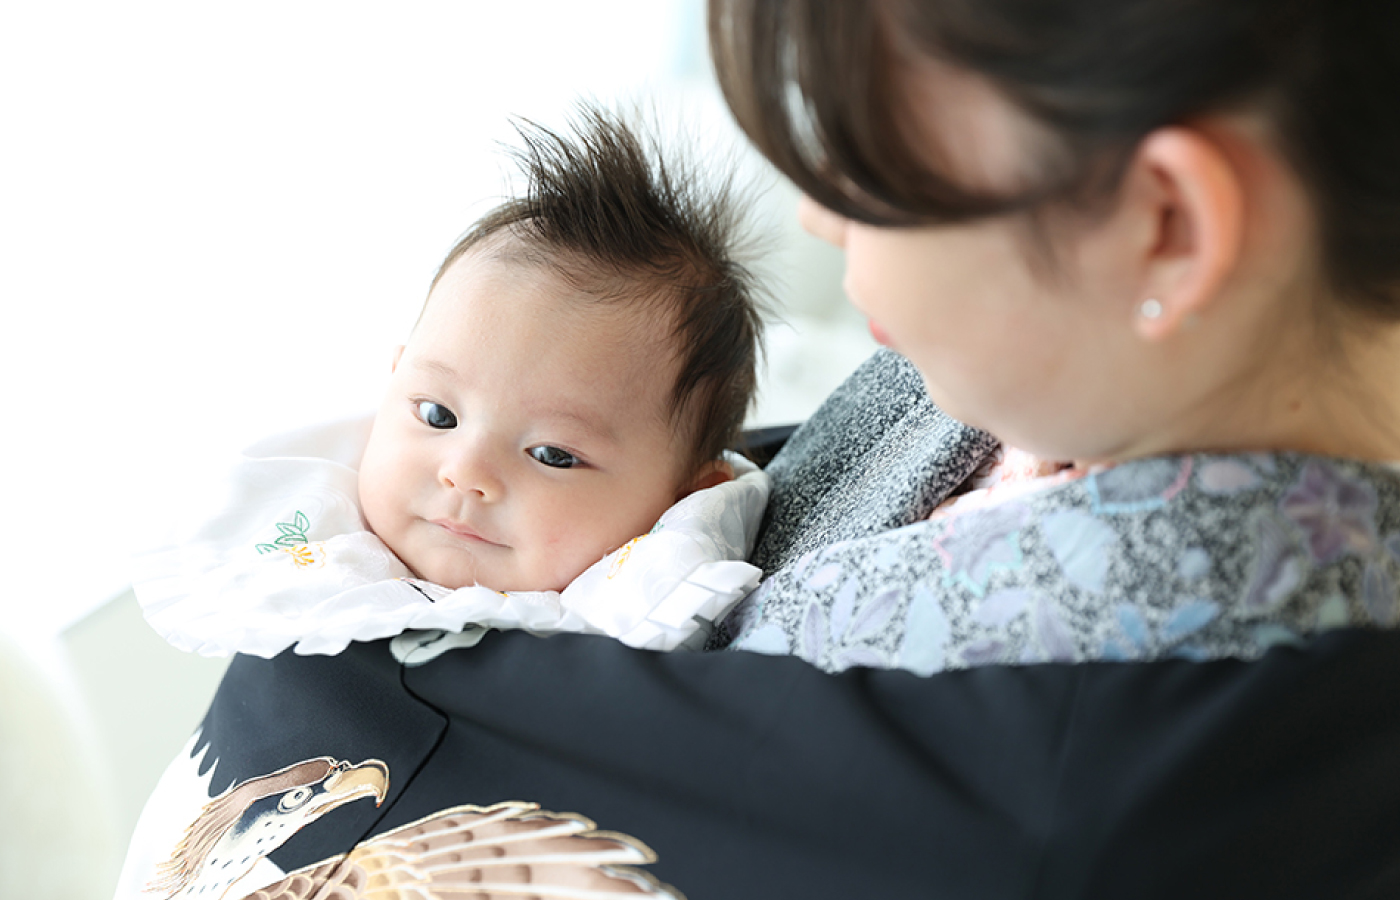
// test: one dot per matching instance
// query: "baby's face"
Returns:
(525, 432)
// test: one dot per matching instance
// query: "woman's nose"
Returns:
(821, 222)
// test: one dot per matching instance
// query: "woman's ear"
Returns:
(1195, 201)
(714, 472)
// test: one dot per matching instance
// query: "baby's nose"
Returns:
(471, 471)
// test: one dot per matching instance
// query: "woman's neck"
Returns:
(1349, 406)
(1342, 401)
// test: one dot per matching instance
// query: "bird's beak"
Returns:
(368, 779)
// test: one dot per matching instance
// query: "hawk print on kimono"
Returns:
(506, 850)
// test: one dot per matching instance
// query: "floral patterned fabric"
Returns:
(1199, 557)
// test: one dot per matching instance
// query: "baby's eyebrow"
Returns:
(598, 426)
(437, 367)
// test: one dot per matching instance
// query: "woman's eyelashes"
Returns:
(554, 457)
(435, 415)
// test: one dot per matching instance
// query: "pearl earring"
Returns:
(1150, 309)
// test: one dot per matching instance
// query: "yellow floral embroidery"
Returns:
(306, 556)
(622, 555)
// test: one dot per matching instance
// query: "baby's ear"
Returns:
(714, 472)
(398, 355)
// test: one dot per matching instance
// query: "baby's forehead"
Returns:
(597, 322)
(570, 271)
(634, 308)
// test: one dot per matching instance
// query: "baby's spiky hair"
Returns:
(607, 210)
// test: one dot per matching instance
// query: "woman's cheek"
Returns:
(821, 222)
(883, 279)
(867, 295)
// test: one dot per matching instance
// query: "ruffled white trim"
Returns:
(273, 553)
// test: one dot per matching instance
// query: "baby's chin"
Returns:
(453, 575)
(457, 576)
(502, 569)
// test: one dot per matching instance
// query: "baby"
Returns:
(585, 355)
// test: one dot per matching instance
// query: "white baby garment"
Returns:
(272, 552)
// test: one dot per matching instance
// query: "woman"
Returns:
(1112, 234)
(1150, 241)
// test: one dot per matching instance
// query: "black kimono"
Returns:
(1212, 754)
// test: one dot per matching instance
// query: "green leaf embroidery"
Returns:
(293, 534)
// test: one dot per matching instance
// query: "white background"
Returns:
(216, 220)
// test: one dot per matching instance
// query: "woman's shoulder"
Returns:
(875, 456)
(1196, 556)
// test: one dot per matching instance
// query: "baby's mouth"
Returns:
(464, 533)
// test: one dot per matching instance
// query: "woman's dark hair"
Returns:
(812, 82)
(627, 222)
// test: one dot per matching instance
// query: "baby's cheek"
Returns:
(380, 519)
(567, 554)
(371, 511)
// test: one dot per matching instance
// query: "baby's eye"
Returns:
(553, 457)
(435, 415)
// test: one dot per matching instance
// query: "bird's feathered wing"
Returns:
(509, 850)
